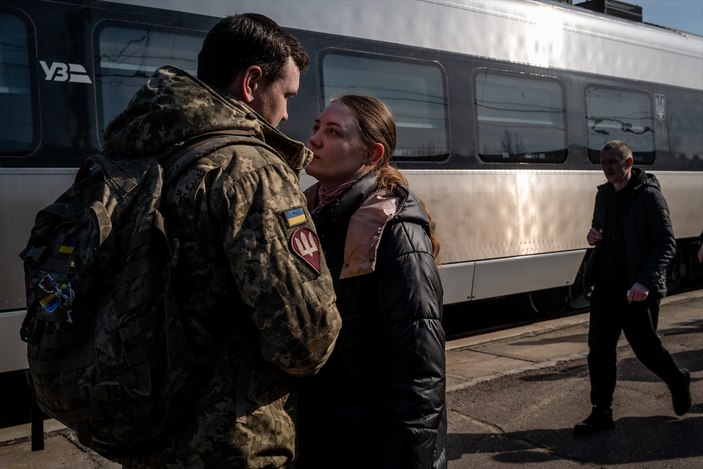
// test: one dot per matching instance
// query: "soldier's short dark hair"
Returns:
(240, 41)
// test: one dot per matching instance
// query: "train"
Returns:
(502, 107)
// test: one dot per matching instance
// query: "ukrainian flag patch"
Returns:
(295, 216)
(68, 246)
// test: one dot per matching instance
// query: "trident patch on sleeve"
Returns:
(305, 245)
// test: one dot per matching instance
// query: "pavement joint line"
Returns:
(560, 455)
(537, 447)
(480, 422)
(498, 431)
(514, 357)
(500, 355)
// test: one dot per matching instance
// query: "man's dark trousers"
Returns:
(610, 315)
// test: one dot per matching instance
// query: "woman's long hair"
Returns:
(377, 125)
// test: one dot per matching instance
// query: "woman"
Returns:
(379, 402)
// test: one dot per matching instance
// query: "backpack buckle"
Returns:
(103, 391)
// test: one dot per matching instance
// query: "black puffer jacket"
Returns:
(649, 238)
(379, 402)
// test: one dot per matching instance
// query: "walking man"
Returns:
(634, 243)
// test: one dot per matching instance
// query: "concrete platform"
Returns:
(514, 397)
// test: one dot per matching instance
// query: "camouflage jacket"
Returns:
(252, 286)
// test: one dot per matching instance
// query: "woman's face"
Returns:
(339, 153)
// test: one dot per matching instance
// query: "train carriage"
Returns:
(502, 107)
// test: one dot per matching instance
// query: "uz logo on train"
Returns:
(59, 71)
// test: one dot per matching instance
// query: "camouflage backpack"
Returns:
(106, 351)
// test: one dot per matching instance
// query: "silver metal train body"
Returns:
(501, 108)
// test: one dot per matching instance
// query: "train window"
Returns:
(18, 126)
(414, 90)
(616, 114)
(682, 112)
(521, 119)
(129, 54)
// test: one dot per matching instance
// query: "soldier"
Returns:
(258, 309)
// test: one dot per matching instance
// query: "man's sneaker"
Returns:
(681, 394)
(599, 420)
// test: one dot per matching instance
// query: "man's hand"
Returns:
(637, 292)
(594, 236)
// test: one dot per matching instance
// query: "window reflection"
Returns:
(615, 114)
(684, 119)
(520, 119)
(17, 121)
(130, 54)
(413, 90)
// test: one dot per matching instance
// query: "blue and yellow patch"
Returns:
(68, 246)
(295, 216)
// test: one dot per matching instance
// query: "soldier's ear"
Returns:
(246, 83)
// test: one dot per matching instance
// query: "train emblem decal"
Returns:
(59, 71)
(660, 106)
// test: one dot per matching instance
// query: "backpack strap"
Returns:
(202, 145)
